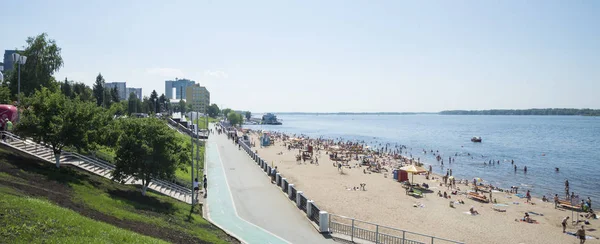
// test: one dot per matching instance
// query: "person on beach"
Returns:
(473, 211)
(528, 195)
(589, 202)
(564, 223)
(273, 173)
(567, 187)
(581, 234)
(555, 200)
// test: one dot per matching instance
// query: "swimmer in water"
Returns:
(556, 169)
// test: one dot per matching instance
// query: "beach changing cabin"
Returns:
(265, 140)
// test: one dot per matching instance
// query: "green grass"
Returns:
(203, 122)
(184, 175)
(157, 210)
(27, 220)
(106, 153)
(35, 220)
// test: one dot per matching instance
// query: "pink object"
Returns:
(7, 112)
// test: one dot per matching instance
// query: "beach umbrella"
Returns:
(413, 170)
(478, 179)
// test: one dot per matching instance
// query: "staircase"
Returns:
(92, 165)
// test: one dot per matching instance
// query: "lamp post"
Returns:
(19, 59)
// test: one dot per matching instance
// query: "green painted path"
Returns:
(221, 209)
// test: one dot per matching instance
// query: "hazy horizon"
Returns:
(349, 56)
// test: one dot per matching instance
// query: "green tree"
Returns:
(147, 149)
(114, 95)
(132, 104)
(154, 100)
(248, 115)
(226, 112)
(235, 118)
(5, 97)
(52, 118)
(117, 109)
(43, 60)
(98, 90)
(65, 88)
(213, 110)
(182, 106)
(162, 100)
(107, 101)
(82, 91)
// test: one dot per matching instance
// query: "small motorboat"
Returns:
(476, 139)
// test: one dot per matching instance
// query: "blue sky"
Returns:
(330, 56)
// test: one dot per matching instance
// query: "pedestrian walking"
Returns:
(564, 223)
(581, 234)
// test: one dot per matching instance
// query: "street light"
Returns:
(19, 59)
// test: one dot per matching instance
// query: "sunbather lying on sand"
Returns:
(473, 211)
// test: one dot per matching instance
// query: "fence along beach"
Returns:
(338, 181)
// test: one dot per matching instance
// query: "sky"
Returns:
(330, 55)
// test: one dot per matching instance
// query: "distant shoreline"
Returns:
(516, 112)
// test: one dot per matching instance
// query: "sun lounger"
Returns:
(416, 193)
(569, 206)
(478, 197)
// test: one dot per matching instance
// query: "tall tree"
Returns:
(147, 149)
(162, 100)
(147, 105)
(5, 95)
(82, 91)
(226, 112)
(107, 101)
(99, 90)
(235, 118)
(114, 95)
(213, 110)
(248, 115)
(66, 89)
(182, 106)
(154, 100)
(43, 60)
(132, 104)
(52, 118)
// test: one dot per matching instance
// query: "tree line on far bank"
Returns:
(67, 114)
(543, 111)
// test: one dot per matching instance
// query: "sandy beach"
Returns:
(385, 202)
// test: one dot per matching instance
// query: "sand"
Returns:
(385, 202)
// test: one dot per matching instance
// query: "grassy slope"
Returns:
(203, 122)
(185, 175)
(155, 215)
(182, 175)
(26, 220)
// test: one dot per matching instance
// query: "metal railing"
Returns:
(379, 234)
(285, 184)
(294, 193)
(303, 203)
(41, 147)
(314, 213)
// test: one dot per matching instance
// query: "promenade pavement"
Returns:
(242, 200)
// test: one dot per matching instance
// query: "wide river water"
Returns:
(542, 143)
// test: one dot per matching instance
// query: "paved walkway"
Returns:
(242, 200)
